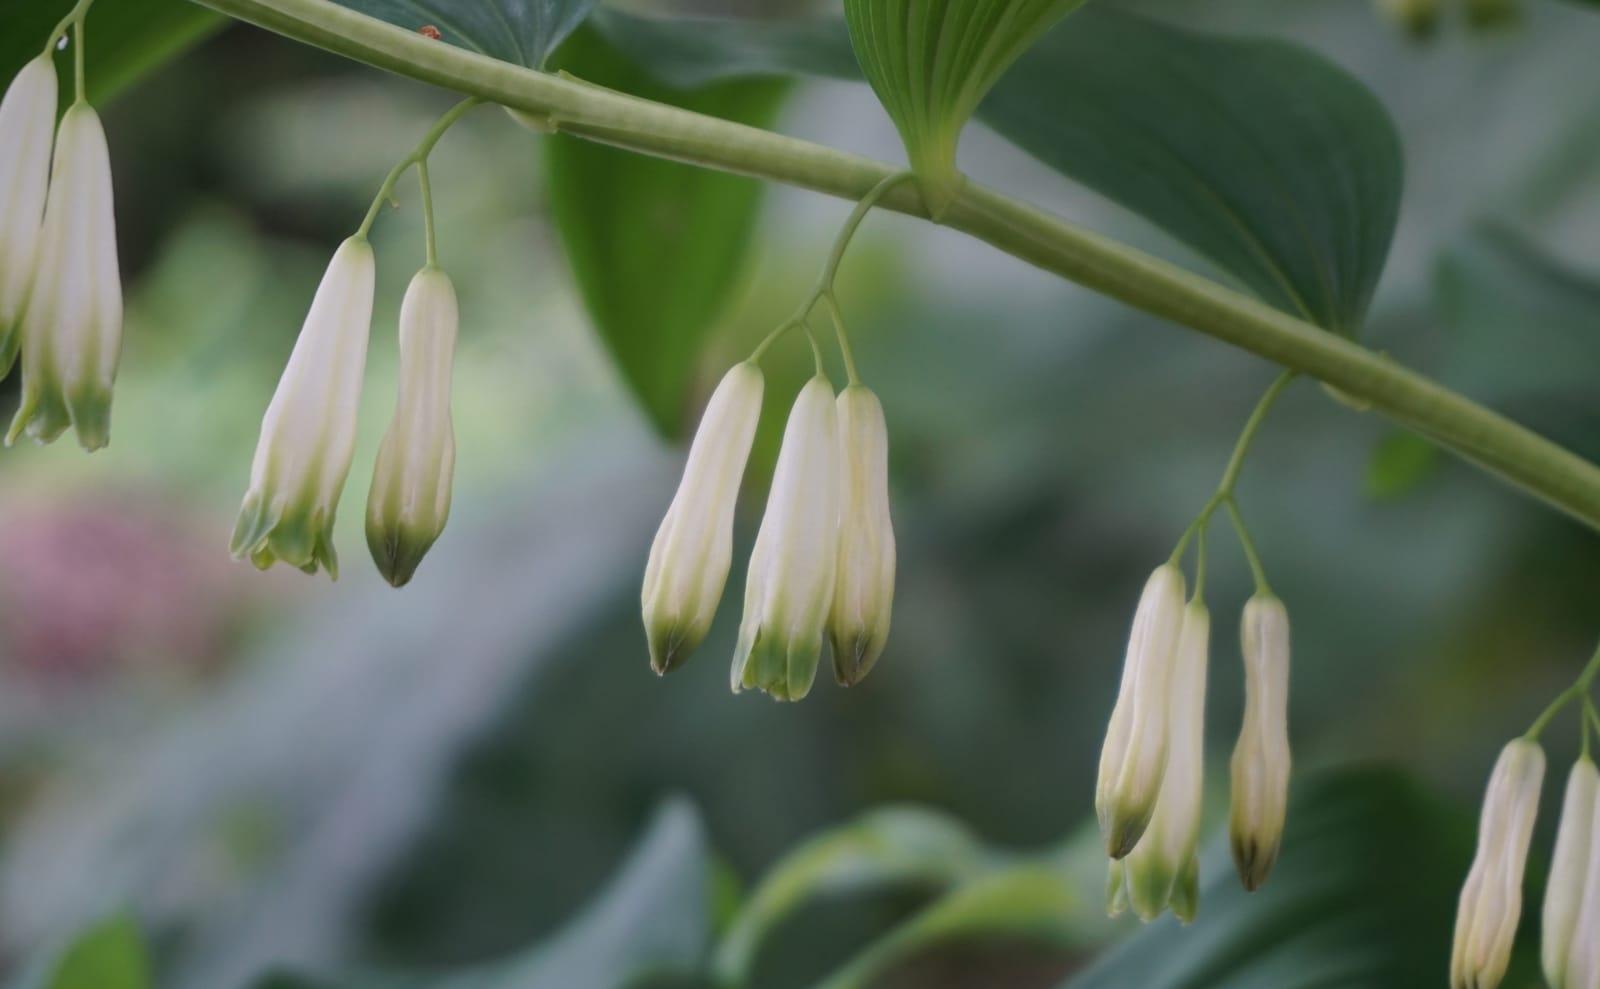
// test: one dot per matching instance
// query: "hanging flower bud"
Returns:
(72, 322)
(693, 548)
(409, 500)
(1135, 753)
(790, 585)
(28, 121)
(863, 594)
(1158, 865)
(1572, 898)
(1261, 757)
(309, 432)
(1491, 900)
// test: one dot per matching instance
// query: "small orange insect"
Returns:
(429, 31)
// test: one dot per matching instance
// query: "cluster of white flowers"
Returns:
(824, 559)
(60, 288)
(309, 431)
(1491, 901)
(1150, 791)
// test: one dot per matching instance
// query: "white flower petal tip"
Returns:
(790, 586)
(409, 501)
(693, 549)
(71, 328)
(309, 431)
(1134, 756)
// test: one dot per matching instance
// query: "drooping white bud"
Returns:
(1261, 757)
(72, 320)
(28, 123)
(693, 549)
(1491, 900)
(308, 434)
(1571, 927)
(790, 586)
(863, 594)
(1160, 862)
(410, 496)
(1134, 756)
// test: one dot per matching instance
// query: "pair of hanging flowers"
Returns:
(60, 287)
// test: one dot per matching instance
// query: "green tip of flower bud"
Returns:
(398, 550)
(1122, 828)
(1253, 859)
(671, 644)
(1116, 890)
(784, 669)
(1186, 893)
(855, 657)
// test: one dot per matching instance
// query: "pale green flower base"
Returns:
(266, 534)
(10, 346)
(1151, 887)
(782, 669)
(46, 411)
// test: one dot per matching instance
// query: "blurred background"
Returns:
(270, 769)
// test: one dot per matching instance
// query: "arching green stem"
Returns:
(418, 156)
(1526, 460)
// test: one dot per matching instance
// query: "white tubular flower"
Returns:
(863, 594)
(1134, 756)
(790, 585)
(1261, 757)
(1572, 898)
(1158, 865)
(72, 322)
(1491, 900)
(410, 496)
(693, 549)
(309, 432)
(28, 121)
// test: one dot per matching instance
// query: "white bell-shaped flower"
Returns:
(1571, 927)
(1134, 755)
(309, 432)
(1167, 854)
(1261, 758)
(409, 501)
(693, 549)
(28, 123)
(1491, 900)
(72, 321)
(789, 590)
(863, 594)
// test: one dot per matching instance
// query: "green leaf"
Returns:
(1401, 463)
(110, 955)
(1364, 895)
(524, 32)
(653, 919)
(931, 62)
(127, 38)
(657, 247)
(1277, 166)
(892, 847)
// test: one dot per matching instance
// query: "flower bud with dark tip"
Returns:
(1261, 758)
(28, 121)
(863, 594)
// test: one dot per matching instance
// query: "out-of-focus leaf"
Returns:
(1525, 324)
(931, 62)
(654, 918)
(898, 846)
(127, 38)
(110, 955)
(1032, 903)
(657, 247)
(1364, 895)
(1276, 165)
(524, 32)
(1400, 463)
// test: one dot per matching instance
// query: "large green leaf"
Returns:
(109, 955)
(654, 919)
(1277, 166)
(1364, 896)
(657, 247)
(127, 38)
(524, 32)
